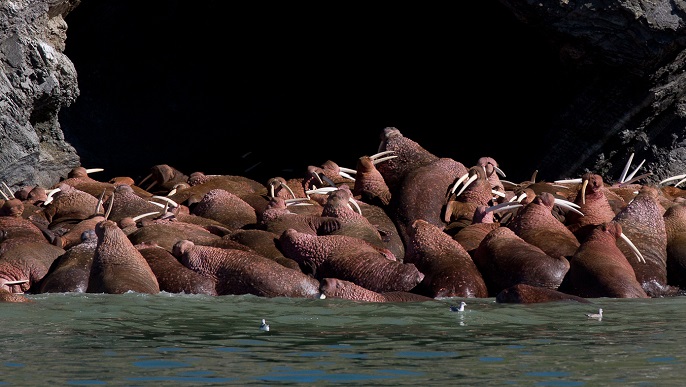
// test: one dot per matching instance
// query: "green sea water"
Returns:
(174, 339)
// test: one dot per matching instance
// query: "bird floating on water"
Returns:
(598, 315)
(264, 326)
(458, 308)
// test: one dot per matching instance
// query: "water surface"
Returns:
(172, 339)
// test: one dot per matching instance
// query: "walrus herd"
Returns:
(405, 225)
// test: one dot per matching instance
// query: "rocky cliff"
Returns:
(36, 81)
(619, 74)
(628, 57)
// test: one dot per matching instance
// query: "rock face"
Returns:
(628, 58)
(36, 81)
(622, 62)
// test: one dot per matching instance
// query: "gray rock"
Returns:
(36, 80)
(629, 60)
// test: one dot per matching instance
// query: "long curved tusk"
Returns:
(319, 179)
(51, 192)
(467, 183)
(507, 206)
(4, 195)
(634, 179)
(631, 175)
(357, 206)
(272, 189)
(328, 181)
(376, 161)
(346, 175)
(622, 177)
(568, 205)
(458, 182)
(347, 170)
(141, 216)
(633, 247)
(298, 202)
(99, 204)
(566, 202)
(289, 189)
(499, 171)
(154, 183)
(676, 177)
(93, 170)
(569, 181)
(156, 203)
(323, 190)
(9, 191)
(144, 180)
(109, 208)
(583, 192)
(17, 282)
(498, 193)
(384, 153)
(168, 200)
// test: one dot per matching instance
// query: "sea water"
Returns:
(177, 339)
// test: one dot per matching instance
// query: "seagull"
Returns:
(458, 308)
(264, 326)
(598, 315)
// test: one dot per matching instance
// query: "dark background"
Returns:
(266, 91)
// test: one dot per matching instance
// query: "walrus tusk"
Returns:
(639, 177)
(144, 180)
(375, 156)
(676, 177)
(467, 183)
(377, 161)
(9, 191)
(521, 197)
(50, 193)
(109, 208)
(17, 282)
(357, 206)
(297, 202)
(458, 182)
(498, 193)
(154, 183)
(327, 180)
(570, 181)
(344, 172)
(507, 206)
(568, 205)
(323, 190)
(272, 188)
(141, 216)
(93, 170)
(583, 192)
(633, 247)
(168, 200)
(631, 176)
(622, 177)
(97, 206)
(4, 195)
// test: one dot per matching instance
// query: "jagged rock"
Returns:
(628, 60)
(36, 80)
